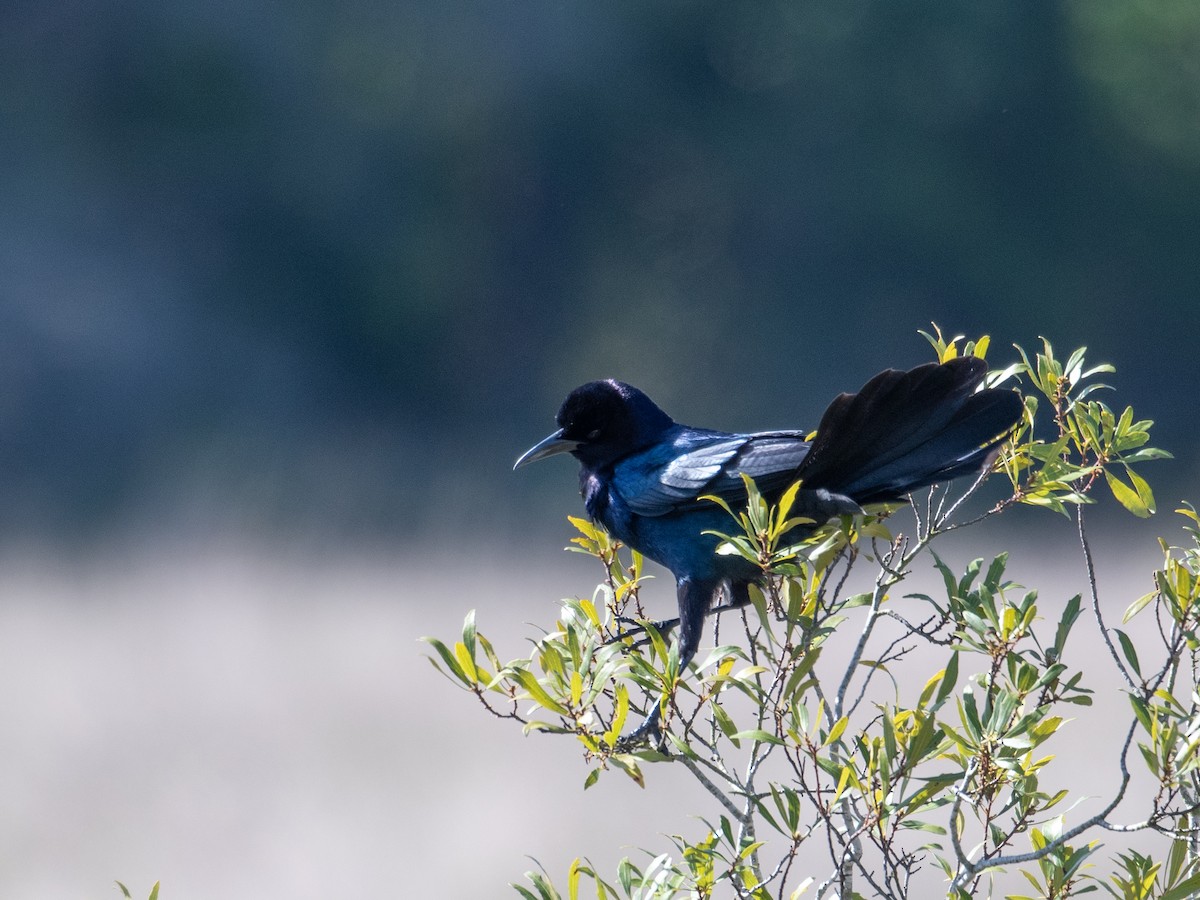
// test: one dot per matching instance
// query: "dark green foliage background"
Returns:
(297, 265)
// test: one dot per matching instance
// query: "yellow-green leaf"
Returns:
(836, 731)
(464, 659)
(537, 692)
(1143, 489)
(1126, 496)
(1138, 605)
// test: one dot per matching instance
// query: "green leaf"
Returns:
(713, 498)
(573, 880)
(1130, 652)
(995, 571)
(784, 506)
(807, 661)
(1184, 890)
(448, 658)
(1065, 623)
(836, 731)
(625, 875)
(1145, 455)
(1142, 712)
(628, 764)
(585, 527)
(619, 716)
(463, 655)
(756, 734)
(843, 780)
(969, 713)
(469, 633)
(1126, 496)
(934, 786)
(949, 680)
(1143, 489)
(656, 640)
(856, 600)
(537, 692)
(725, 723)
(1138, 605)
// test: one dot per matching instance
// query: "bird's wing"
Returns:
(709, 463)
(770, 458)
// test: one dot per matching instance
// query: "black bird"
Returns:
(642, 474)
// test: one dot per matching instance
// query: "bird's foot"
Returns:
(649, 732)
(635, 627)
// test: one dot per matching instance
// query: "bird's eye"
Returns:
(593, 434)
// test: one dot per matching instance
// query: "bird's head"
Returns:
(600, 422)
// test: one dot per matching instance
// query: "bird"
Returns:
(644, 476)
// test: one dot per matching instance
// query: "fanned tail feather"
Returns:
(908, 430)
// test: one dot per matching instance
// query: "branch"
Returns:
(864, 636)
(1091, 574)
(722, 797)
(971, 870)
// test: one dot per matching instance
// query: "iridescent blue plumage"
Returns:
(642, 474)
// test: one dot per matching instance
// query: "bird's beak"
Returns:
(551, 445)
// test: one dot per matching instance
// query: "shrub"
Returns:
(894, 741)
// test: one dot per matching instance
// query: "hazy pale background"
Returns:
(285, 290)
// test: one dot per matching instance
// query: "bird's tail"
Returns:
(908, 430)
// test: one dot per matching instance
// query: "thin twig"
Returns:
(722, 797)
(1091, 574)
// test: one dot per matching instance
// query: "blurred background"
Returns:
(285, 289)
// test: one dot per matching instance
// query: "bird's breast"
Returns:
(595, 494)
(605, 505)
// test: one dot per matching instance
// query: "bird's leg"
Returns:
(646, 733)
(694, 599)
(738, 594)
(634, 627)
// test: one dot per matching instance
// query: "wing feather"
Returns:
(655, 486)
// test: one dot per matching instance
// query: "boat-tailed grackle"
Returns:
(642, 474)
